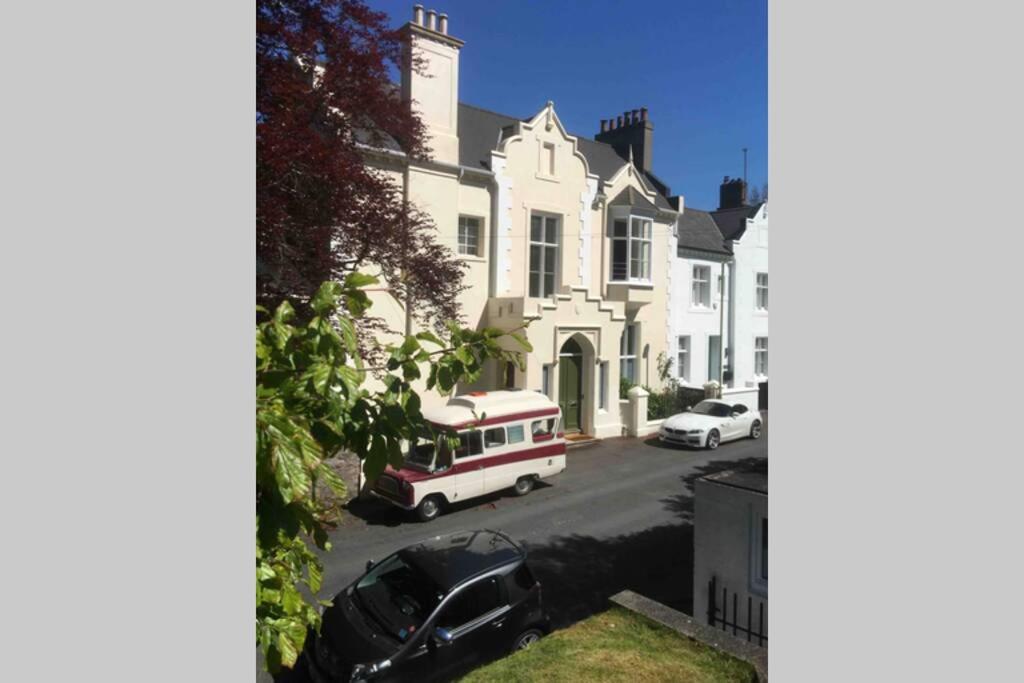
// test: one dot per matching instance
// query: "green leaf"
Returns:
(326, 298)
(288, 648)
(356, 280)
(291, 475)
(315, 578)
(347, 330)
(331, 478)
(522, 341)
(429, 336)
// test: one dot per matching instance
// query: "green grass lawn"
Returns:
(617, 645)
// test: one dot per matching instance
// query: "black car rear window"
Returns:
(520, 582)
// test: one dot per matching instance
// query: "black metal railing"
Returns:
(718, 614)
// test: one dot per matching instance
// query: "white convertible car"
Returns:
(711, 422)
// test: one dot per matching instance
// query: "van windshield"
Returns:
(422, 452)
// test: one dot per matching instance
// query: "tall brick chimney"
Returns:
(635, 131)
(732, 194)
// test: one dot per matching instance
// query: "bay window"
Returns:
(631, 249)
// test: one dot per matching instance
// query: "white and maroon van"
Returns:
(516, 443)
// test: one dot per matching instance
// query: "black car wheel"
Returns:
(428, 509)
(755, 430)
(527, 638)
(713, 438)
(523, 486)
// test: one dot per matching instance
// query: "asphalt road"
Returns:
(619, 516)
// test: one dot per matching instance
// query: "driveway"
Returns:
(618, 517)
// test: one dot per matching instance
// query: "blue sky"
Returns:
(701, 69)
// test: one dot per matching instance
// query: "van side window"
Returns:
(542, 430)
(494, 437)
(516, 433)
(470, 443)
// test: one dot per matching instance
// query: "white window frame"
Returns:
(463, 244)
(761, 356)
(544, 250)
(761, 291)
(683, 354)
(628, 354)
(701, 283)
(639, 239)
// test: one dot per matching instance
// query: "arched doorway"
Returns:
(570, 385)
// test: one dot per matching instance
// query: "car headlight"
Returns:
(695, 431)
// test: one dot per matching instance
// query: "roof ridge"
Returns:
(490, 111)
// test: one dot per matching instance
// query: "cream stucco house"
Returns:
(577, 240)
(572, 237)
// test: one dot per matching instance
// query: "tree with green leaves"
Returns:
(312, 403)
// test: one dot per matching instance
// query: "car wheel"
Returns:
(523, 486)
(713, 439)
(428, 509)
(526, 639)
(755, 430)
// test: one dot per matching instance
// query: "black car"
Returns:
(431, 611)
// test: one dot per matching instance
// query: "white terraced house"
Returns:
(720, 292)
(575, 236)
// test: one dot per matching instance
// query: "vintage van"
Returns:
(516, 442)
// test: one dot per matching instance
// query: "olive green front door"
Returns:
(570, 385)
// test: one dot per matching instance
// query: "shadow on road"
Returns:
(682, 504)
(380, 513)
(579, 573)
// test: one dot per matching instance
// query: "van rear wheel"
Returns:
(523, 486)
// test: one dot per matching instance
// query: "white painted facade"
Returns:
(697, 323)
(730, 544)
(749, 318)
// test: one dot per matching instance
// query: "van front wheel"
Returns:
(428, 509)
(523, 486)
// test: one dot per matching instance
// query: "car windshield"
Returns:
(712, 408)
(397, 596)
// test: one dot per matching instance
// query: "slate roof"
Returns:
(478, 134)
(732, 223)
(630, 197)
(479, 131)
(698, 231)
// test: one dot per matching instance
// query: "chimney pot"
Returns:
(604, 125)
(443, 23)
(625, 115)
(618, 123)
(636, 116)
(643, 113)
(432, 19)
(417, 15)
